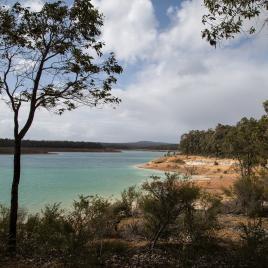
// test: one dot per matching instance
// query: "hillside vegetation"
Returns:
(40, 147)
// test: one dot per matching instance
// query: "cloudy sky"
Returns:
(173, 80)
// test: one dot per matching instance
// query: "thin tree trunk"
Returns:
(12, 239)
(157, 235)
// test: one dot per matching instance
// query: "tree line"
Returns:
(9, 143)
(247, 141)
(63, 42)
(52, 144)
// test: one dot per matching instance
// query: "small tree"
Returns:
(254, 243)
(124, 206)
(251, 193)
(164, 201)
(91, 220)
(247, 142)
(51, 59)
(200, 222)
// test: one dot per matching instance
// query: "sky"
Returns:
(173, 81)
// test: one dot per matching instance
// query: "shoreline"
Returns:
(210, 173)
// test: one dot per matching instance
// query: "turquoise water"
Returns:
(51, 178)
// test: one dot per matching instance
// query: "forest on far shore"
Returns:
(42, 146)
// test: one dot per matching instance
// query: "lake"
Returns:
(61, 177)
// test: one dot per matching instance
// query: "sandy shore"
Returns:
(212, 174)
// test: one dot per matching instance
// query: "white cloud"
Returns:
(35, 5)
(129, 27)
(185, 85)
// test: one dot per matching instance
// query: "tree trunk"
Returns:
(157, 235)
(12, 239)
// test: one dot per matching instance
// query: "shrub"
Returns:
(200, 217)
(254, 243)
(125, 206)
(47, 234)
(4, 222)
(251, 192)
(163, 201)
(178, 161)
(56, 233)
(92, 217)
(132, 229)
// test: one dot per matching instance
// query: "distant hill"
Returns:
(146, 145)
(33, 146)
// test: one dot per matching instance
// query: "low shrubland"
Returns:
(167, 221)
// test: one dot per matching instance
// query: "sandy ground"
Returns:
(212, 174)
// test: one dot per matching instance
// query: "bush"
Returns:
(163, 201)
(125, 206)
(4, 225)
(200, 218)
(251, 192)
(254, 243)
(178, 161)
(54, 233)
(92, 218)
(170, 208)
(4, 218)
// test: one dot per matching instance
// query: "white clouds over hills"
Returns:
(182, 83)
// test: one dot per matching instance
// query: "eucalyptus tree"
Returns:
(245, 142)
(226, 19)
(51, 59)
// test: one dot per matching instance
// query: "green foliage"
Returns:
(50, 229)
(162, 203)
(62, 53)
(124, 206)
(209, 143)
(251, 193)
(200, 223)
(246, 142)
(226, 18)
(171, 207)
(170, 204)
(265, 106)
(4, 224)
(92, 218)
(4, 219)
(60, 234)
(254, 243)
(51, 59)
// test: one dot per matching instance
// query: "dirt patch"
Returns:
(210, 173)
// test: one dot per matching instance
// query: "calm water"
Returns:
(62, 177)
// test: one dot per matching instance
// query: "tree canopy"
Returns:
(53, 58)
(226, 18)
(247, 142)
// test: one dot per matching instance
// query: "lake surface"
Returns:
(51, 178)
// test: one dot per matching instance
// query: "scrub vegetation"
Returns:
(167, 221)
